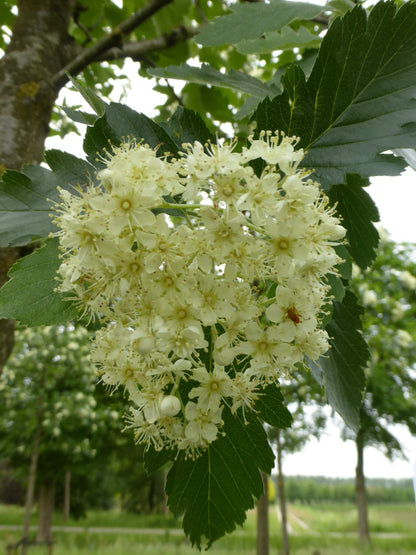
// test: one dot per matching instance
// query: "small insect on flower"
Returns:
(293, 315)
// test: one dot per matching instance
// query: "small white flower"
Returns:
(276, 149)
(213, 387)
(202, 424)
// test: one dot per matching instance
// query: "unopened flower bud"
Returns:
(170, 405)
(144, 345)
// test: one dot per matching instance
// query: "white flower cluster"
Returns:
(209, 279)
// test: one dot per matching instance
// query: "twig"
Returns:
(200, 11)
(79, 8)
(174, 94)
(322, 19)
(137, 50)
(94, 52)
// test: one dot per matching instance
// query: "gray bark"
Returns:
(40, 46)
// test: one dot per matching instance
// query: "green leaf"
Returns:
(250, 21)
(96, 142)
(208, 75)
(271, 409)
(120, 123)
(186, 126)
(24, 205)
(337, 290)
(409, 154)
(345, 268)
(286, 39)
(274, 85)
(340, 6)
(247, 108)
(341, 369)
(26, 197)
(360, 98)
(358, 211)
(29, 296)
(212, 101)
(80, 116)
(123, 122)
(69, 169)
(153, 460)
(214, 491)
(96, 103)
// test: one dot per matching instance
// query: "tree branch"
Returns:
(95, 52)
(137, 50)
(322, 19)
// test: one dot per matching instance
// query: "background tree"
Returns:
(388, 292)
(51, 420)
(305, 399)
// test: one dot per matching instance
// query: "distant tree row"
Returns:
(301, 489)
(60, 435)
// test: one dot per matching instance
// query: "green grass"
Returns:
(385, 518)
(11, 514)
(114, 518)
(323, 520)
(343, 518)
(234, 545)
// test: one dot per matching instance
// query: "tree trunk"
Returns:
(67, 495)
(361, 494)
(151, 494)
(263, 519)
(165, 497)
(40, 46)
(46, 503)
(282, 496)
(31, 485)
